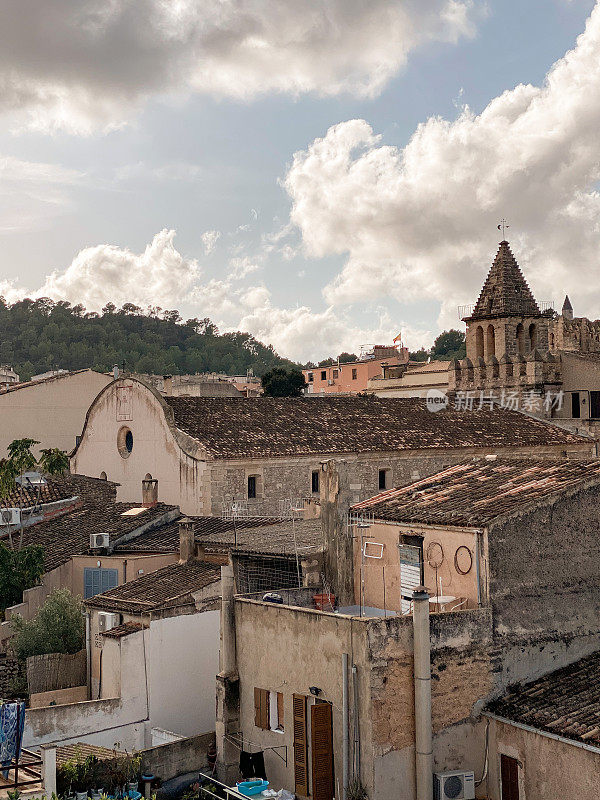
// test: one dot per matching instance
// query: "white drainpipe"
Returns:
(422, 675)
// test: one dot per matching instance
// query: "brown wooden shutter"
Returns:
(300, 745)
(280, 709)
(321, 721)
(261, 708)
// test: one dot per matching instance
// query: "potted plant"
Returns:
(66, 775)
(95, 777)
(81, 779)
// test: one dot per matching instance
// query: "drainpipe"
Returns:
(345, 721)
(228, 660)
(88, 648)
(422, 675)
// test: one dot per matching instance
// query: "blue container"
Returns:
(250, 788)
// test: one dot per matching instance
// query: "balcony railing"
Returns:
(466, 311)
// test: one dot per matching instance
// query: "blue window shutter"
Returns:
(87, 582)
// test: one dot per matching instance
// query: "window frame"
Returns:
(323, 374)
(315, 481)
(112, 580)
(354, 373)
(251, 481)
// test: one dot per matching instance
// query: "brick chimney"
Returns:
(187, 542)
(149, 492)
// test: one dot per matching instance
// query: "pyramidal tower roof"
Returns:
(505, 292)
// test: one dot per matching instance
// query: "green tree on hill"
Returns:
(40, 335)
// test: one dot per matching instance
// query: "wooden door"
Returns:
(509, 775)
(300, 745)
(321, 721)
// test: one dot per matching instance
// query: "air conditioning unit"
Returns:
(456, 785)
(10, 516)
(330, 382)
(107, 621)
(99, 540)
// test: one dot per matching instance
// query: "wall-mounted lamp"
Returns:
(314, 690)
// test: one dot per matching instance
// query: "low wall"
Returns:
(101, 722)
(53, 671)
(59, 697)
(177, 758)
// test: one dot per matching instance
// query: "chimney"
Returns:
(422, 676)
(149, 492)
(116, 372)
(187, 541)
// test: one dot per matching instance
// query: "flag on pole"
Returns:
(398, 338)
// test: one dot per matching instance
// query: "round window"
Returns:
(124, 442)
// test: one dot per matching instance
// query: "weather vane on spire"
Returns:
(503, 226)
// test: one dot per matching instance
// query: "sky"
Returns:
(321, 174)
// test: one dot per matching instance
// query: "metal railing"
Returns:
(544, 305)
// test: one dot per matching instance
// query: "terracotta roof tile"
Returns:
(168, 587)
(123, 630)
(270, 427)
(251, 535)
(477, 491)
(565, 702)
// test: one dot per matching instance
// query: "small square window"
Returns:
(324, 375)
(315, 481)
(354, 373)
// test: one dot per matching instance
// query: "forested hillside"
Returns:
(39, 335)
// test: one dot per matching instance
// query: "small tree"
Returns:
(54, 461)
(280, 382)
(19, 570)
(449, 344)
(58, 627)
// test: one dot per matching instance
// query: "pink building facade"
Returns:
(353, 377)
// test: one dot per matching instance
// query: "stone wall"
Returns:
(544, 573)
(291, 477)
(177, 758)
(11, 673)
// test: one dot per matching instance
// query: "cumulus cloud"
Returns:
(162, 276)
(209, 240)
(419, 222)
(79, 64)
(105, 273)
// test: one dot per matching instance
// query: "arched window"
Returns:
(532, 336)
(491, 341)
(479, 342)
(520, 339)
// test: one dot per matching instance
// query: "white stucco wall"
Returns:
(183, 660)
(52, 412)
(155, 450)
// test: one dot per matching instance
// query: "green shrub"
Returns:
(58, 627)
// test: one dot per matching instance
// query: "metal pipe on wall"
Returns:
(345, 723)
(356, 723)
(422, 679)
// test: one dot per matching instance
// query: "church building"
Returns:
(525, 355)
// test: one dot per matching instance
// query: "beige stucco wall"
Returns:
(52, 412)
(155, 450)
(288, 651)
(176, 659)
(550, 769)
(379, 578)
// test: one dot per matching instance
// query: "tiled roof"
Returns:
(81, 750)
(26, 384)
(68, 534)
(257, 535)
(505, 291)
(477, 491)
(56, 489)
(123, 630)
(292, 426)
(565, 702)
(168, 587)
